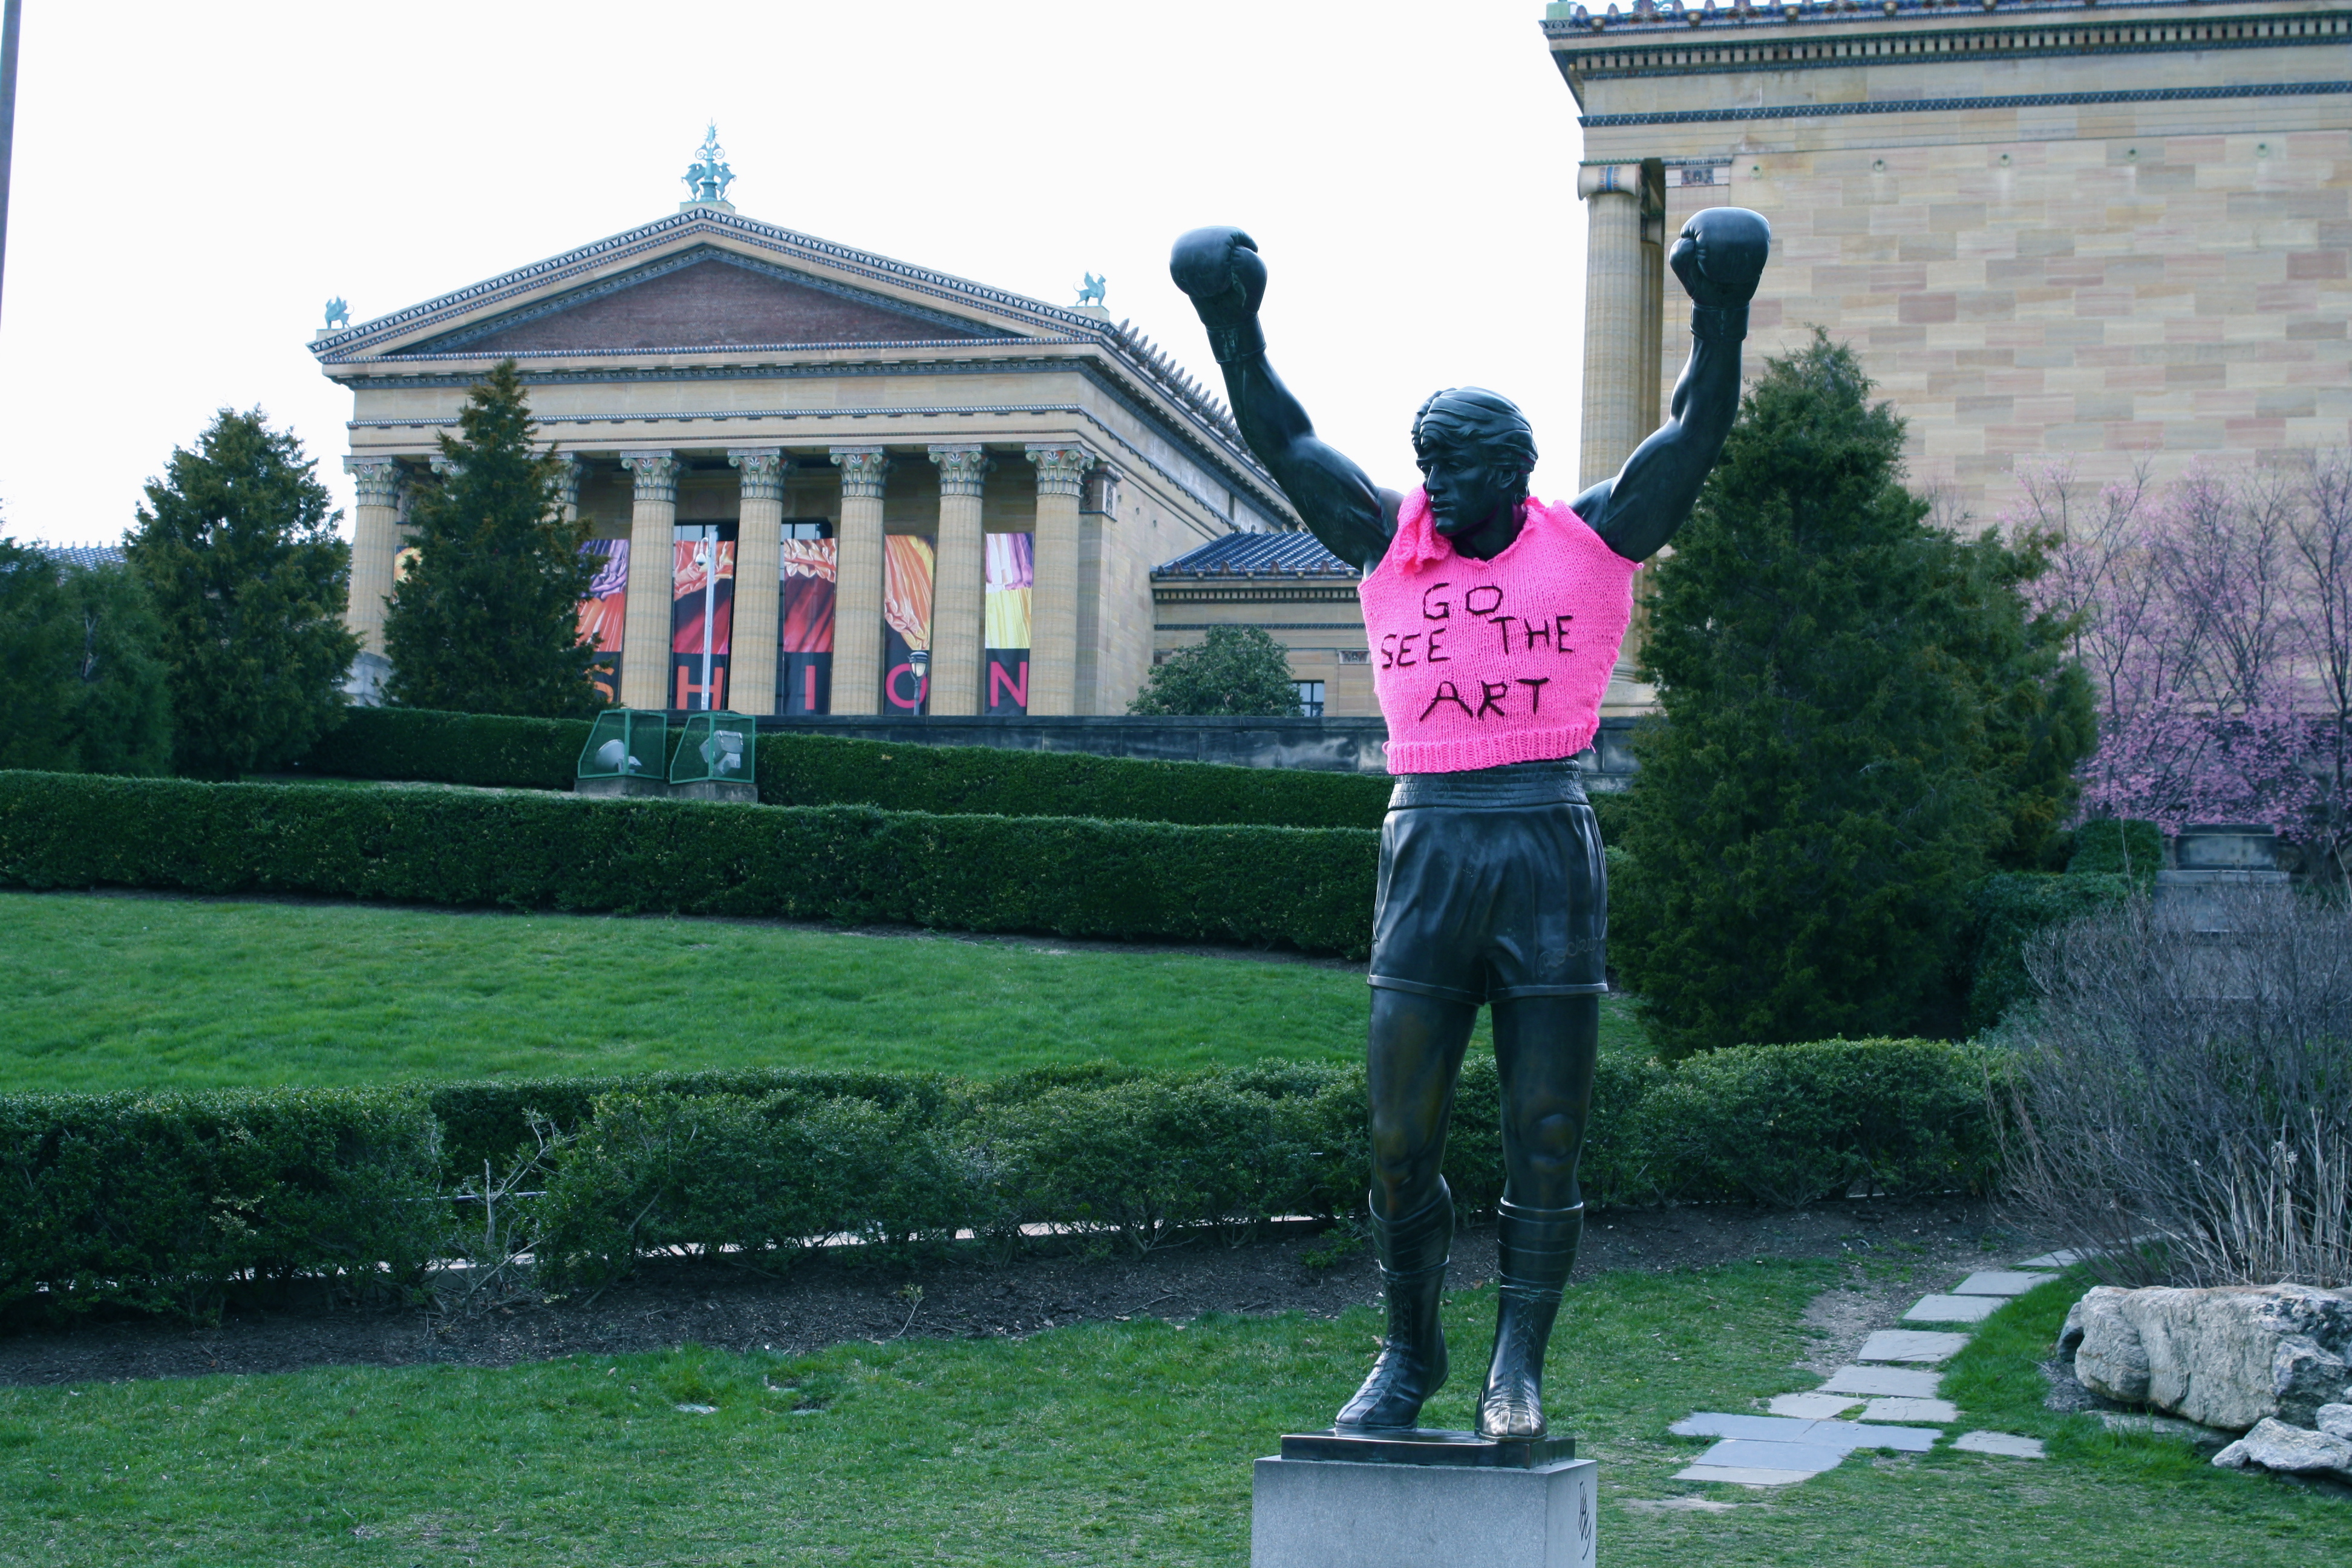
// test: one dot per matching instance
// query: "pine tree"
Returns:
(119, 695)
(35, 641)
(487, 618)
(237, 552)
(1238, 670)
(1863, 716)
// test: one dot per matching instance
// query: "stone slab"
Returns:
(1999, 1282)
(1428, 1446)
(1843, 1435)
(2064, 1259)
(1746, 1453)
(1910, 1344)
(1722, 1424)
(1940, 1411)
(1327, 1513)
(1743, 1475)
(1901, 1383)
(1952, 1308)
(1812, 1407)
(2005, 1444)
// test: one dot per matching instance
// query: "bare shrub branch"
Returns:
(2182, 1110)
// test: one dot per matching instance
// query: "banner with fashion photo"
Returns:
(702, 615)
(907, 565)
(805, 626)
(1010, 574)
(604, 613)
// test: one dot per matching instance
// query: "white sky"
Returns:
(192, 181)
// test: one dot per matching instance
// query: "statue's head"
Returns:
(1476, 450)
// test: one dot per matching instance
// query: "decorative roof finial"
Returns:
(339, 314)
(709, 176)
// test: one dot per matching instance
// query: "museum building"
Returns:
(953, 497)
(2099, 235)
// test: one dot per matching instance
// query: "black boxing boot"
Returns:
(1537, 1248)
(1412, 1364)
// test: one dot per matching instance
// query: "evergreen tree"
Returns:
(36, 642)
(237, 552)
(487, 618)
(1239, 671)
(1863, 716)
(82, 688)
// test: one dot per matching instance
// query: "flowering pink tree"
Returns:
(2215, 618)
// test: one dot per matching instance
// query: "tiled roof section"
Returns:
(82, 555)
(1290, 553)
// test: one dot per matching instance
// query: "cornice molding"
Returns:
(1953, 105)
(1825, 21)
(1245, 591)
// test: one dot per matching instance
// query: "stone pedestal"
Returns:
(633, 784)
(1430, 1499)
(734, 792)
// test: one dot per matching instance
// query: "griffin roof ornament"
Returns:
(709, 176)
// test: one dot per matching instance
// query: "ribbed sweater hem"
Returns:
(1490, 751)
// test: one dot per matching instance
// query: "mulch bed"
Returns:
(838, 1299)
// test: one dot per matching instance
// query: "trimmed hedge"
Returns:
(164, 1203)
(161, 1202)
(2010, 909)
(1310, 888)
(1786, 1126)
(824, 770)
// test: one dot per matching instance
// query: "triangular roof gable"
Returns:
(704, 274)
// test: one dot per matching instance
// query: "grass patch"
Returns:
(115, 993)
(1112, 1443)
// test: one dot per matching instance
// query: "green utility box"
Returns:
(623, 754)
(714, 759)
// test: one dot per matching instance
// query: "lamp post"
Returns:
(10, 14)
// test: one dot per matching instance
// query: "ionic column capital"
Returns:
(377, 479)
(863, 471)
(963, 470)
(1608, 179)
(763, 470)
(1061, 468)
(657, 473)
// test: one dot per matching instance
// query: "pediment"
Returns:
(705, 297)
(706, 279)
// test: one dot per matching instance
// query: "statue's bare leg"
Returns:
(1415, 1056)
(1545, 1047)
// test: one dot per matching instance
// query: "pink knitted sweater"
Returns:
(1481, 663)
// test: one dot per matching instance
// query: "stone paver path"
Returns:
(1890, 1381)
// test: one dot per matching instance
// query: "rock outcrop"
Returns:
(2232, 1357)
(2275, 1445)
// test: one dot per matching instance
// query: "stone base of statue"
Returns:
(1424, 1499)
(730, 790)
(622, 785)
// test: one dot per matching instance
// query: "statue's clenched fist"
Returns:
(1219, 268)
(1720, 256)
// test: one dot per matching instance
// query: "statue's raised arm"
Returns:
(1218, 267)
(1719, 257)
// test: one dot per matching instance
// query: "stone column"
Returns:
(375, 540)
(1650, 347)
(1613, 317)
(567, 486)
(858, 581)
(956, 585)
(758, 545)
(1054, 597)
(653, 523)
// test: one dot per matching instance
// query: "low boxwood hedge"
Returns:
(161, 1202)
(165, 1202)
(2010, 909)
(824, 770)
(1309, 887)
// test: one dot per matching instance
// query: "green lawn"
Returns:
(1107, 1444)
(104, 993)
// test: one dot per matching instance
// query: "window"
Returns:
(1310, 698)
(808, 528)
(1355, 655)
